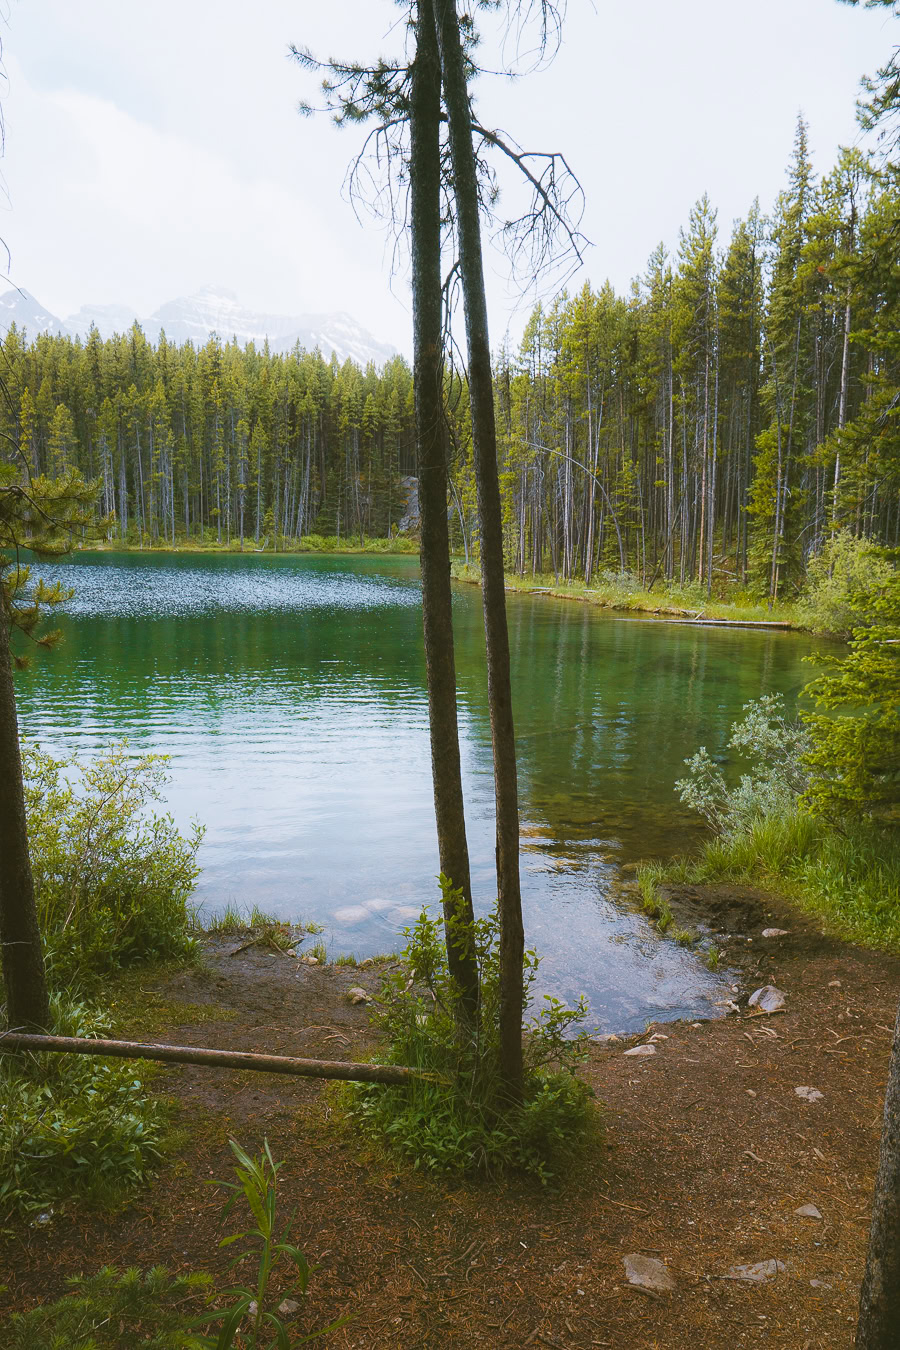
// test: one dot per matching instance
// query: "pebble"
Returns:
(641, 1050)
(809, 1094)
(647, 1273)
(775, 932)
(808, 1212)
(768, 999)
(759, 1273)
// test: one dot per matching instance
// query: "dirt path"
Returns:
(709, 1151)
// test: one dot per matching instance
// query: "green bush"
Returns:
(775, 748)
(112, 879)
(457, 1119)
(838, 582)
(854, 755)
(73, 1125)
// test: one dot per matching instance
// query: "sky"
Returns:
(152, 149)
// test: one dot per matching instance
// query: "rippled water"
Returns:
(289, 692)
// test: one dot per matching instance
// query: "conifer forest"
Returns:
(716, 424)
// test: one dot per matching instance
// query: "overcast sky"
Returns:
(155, 148)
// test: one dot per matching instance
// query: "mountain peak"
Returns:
(195, 318)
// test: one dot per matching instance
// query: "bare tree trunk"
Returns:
(879, 1299)
(465, 183)
(425, 185)
(23, 962)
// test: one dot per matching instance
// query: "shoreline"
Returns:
(714, 614)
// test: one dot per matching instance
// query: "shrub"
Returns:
(457, 1119)
(112, 880)
(854, 754)
(73, 1125)
(838, 580)
(776, 748)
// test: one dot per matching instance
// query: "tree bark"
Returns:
(27, 1002)
(425, 190)
(484, 437)
(879, 1300)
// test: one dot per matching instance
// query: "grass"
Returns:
(625, 592)
(850, 878)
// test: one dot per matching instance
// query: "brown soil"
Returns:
(708, 1152)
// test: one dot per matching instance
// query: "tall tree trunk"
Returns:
(23, 962)
(425, 189)
(484, 437)
(879, 1299)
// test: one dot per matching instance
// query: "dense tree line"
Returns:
(219, 443)
(716, 424)
(730, 413)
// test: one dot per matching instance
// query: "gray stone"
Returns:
(758, 1273)
(609, 1038)
(767, 999)
(807, 1212)
(357, 995)
(775, 932)
(647, 1273)
(641, 1050)
(288, 1307)
(809, 1094)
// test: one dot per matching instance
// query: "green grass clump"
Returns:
(849, 877)
(347, 960)
(74, 1126)
(457, 1119)
(109, 1310)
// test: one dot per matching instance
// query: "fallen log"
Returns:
(221, 1059)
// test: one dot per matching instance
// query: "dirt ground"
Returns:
(708, 1152)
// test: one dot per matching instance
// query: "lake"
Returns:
(290, 694)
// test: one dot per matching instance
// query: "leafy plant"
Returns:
(112, 879)
(257, 1180)
(73, 1125)
(838, 581)
(776, 747)
(853, 757)
(455, 1117)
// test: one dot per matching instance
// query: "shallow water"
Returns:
(289, 693)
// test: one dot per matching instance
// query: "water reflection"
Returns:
(290, 694)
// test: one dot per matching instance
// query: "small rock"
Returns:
(820, 1284)
(775, 932)
(768, 999)
(834, 984)
(759, 1273)
(608, 1039)
(809, 1094)
(357, 995)
(310, 960)
(658, 1036)
(647, 1273)
(641, 1050)
(808, 1212)
(288, 1307)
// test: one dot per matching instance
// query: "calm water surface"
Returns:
(289, 693)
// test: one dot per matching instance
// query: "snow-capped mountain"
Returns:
(193, 318)
(20, 308)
